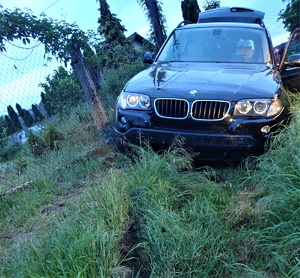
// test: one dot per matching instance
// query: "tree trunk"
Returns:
(87, 84)
(154, 17)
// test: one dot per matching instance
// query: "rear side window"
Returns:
(217, 44)
(293, 52)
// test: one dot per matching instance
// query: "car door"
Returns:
(290, 64)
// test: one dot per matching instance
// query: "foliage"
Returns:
(110, 26)
(211, 4)
(10, 152)
(13, 116)
(3, 138)
(153, 10)
(62, 40)
(3, 143)
(46, 104)
(25, 114)
(8, 125)
(53, 138)
(7, 152)
(58, 37)
(113, 57)
(62, 92)
(115, 51)
(36, 113)
(190, 10)
(20, 164)
(3, 128)
(36, 144)
(48, 140)
(291, 15)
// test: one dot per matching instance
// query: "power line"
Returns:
(49, 7)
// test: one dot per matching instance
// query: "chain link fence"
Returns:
(23, 68)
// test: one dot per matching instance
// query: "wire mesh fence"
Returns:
(23, 68)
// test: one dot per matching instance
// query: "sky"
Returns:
(14, 80)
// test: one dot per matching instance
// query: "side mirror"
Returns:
(148, 58)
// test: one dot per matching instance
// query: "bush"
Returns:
(36, 144)
(10, 153)
(53, 138)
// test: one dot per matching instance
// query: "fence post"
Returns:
(88, 86)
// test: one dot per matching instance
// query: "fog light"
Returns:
(123, 120)
(265, 129)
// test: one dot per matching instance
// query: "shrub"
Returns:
(20, 164)
(36, 144)
(9, 153)
(53, 138)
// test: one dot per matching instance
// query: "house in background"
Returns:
(137, 40)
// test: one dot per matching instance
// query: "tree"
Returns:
(3, 128)
(25, 114)
(110, 26)
(115, 50)
(190, 10)
(62, 91)
(28, 119)
(19, 109)
(291, 15)
(3, 138)
(15, 124)
(65, 41)
(211, 4)
(157, 19)
(9, 125)
(36, 113)
(46, 105)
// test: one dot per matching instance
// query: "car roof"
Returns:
(221, 24)
(233, 14)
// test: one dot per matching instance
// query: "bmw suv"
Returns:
(213, 83)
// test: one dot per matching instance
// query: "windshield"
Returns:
(217, 44)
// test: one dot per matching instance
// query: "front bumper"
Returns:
(207, 145)
(229, 139)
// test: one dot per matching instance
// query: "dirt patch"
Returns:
(133, 265)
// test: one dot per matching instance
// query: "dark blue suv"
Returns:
(214, 84)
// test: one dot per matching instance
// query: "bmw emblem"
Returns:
(193, 92)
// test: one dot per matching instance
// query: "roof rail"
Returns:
(233, 14)
(183, 23)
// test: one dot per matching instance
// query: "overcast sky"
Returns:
(85, 14)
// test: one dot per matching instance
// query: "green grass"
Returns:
(101, 214)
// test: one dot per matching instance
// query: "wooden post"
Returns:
(88, 86)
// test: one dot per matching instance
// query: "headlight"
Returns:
(258, 107)
(243, 107)
(133, 101)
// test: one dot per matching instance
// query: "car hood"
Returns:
(205, 81)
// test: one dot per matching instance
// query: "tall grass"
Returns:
(84, 242)
(273, 187)
(154, 215)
